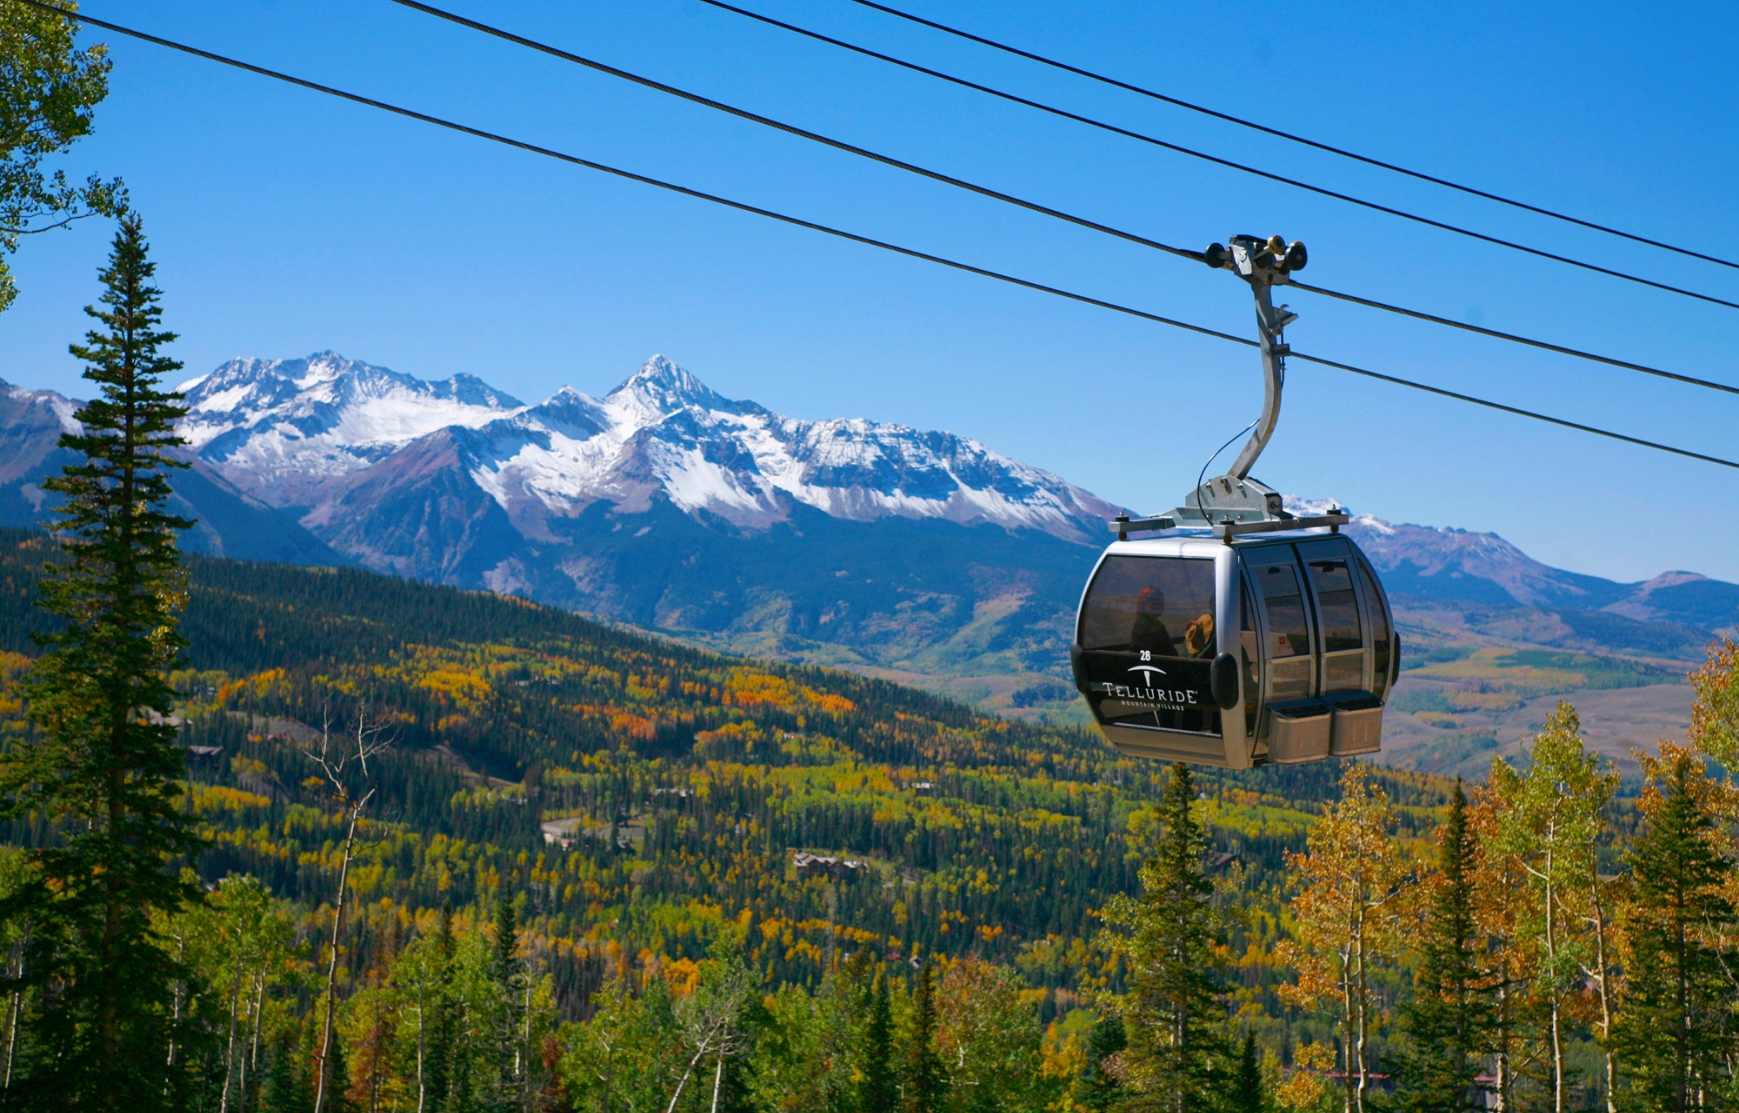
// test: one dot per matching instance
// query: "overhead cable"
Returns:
(997, 195)
(854, 237)
(1287, 135)
(1172, 146)
(1543, 345)
(803, 133)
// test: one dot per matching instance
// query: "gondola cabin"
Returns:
(1236, 651)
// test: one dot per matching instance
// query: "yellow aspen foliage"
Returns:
(1347, 912)
(1715, 716)
(1306, 1089)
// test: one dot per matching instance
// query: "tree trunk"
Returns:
(1346, 1027)
(252, 1062)
(1503, 1041)
(324, 1064)
(718, 1080)
(1604, 981)
(683, 1081)
(180, 989)
(1364, 998)
(229, 1063)
(15, 970)
(422, 1051)
(1556, 1005)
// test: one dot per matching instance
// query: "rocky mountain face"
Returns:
(343, 443)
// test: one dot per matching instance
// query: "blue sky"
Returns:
(286, 222)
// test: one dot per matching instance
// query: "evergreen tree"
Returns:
(1178, 1054)
(289, 1086)
(338, 1098)
(1098, 1088)
(878, 1089)
(924, 1081)
(509, 977)
(104, 762)
(1676, 1030)
(1447, 1024)
(1245, 1092)
(443, 1025)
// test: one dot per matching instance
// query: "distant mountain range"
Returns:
(231, 523)
(922, 555)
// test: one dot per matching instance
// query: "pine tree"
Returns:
(338, 1098)
(289, 1087)
(1245, 1093)
(1676, 1030)
(104, 763)
(507, 972)
(1447, 1023)
(1098, 1088)
(878, 1089)
(443, 1024)
(924, 1081)
(1178, 1055)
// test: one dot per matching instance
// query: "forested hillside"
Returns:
(682, 781)
(589, 846)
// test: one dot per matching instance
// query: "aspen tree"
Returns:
(1352, 878)
(1551, 829)
(49, 90)
(1501, 897)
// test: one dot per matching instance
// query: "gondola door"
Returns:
(1346, 650)
(1295, 724)
(1290, 649)
(1347, 618)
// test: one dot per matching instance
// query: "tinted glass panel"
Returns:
(1288, 630)
(1344, 673)
(1290, 679)
(1160, 606)
(1381, 638)
(1337, 606)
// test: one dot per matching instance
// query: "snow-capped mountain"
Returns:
(288, 426)
(319, 433)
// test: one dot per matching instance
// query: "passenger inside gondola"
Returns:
(1148, 630)
(1198, 637)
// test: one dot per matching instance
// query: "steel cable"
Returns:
(854, 237)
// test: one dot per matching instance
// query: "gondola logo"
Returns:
(1147, 671)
